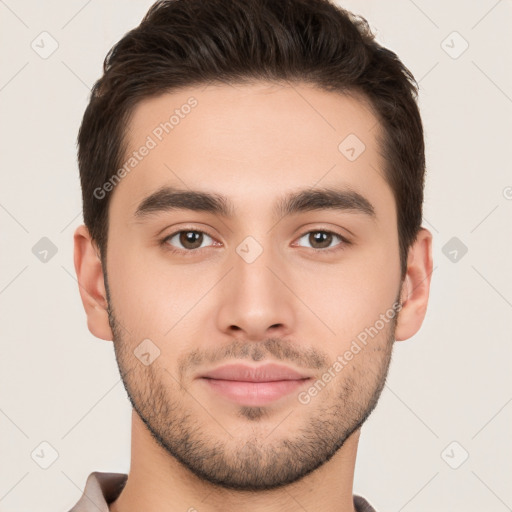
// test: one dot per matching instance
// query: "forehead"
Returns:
(250, 142)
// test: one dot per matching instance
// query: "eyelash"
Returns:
(192, 252)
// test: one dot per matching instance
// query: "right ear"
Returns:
(91, 282)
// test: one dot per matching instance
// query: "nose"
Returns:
(255, 302)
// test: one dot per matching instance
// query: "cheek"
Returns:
(138, 297)
(153, 299)
(350, 296)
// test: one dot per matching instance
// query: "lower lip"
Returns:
(254, 393)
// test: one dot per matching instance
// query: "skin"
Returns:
(294, 304)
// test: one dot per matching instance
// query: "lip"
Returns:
(265, 373)
(254, 386)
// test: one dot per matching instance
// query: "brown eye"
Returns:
(321, 239)
(187, 239)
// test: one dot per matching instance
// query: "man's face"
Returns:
(254, 284)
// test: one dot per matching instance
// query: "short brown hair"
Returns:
(182, 43)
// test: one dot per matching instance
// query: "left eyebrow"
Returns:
(171, 198)
(344, 199)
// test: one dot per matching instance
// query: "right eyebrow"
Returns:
(170, 198)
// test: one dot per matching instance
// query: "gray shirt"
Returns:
(104, 488)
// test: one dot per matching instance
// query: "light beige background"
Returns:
(451, 382)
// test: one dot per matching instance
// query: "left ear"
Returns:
(415, 287)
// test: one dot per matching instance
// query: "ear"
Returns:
(415, 287)
(91, 283)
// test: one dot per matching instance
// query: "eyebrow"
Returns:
(170, 198)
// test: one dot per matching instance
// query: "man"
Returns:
(252, 175)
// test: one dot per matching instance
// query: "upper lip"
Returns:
(265, 373)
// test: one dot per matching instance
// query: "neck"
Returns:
(159, 483)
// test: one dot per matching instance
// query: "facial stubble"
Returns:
(189, 431)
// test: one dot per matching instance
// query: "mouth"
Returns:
(253, 386)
